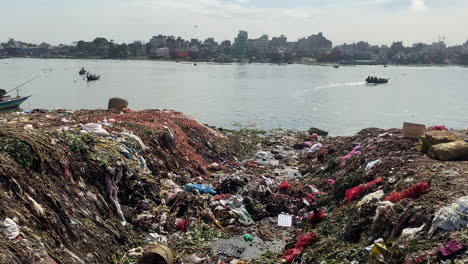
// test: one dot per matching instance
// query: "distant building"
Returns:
(226, 44)
(262, 44)
(158, 41)
(3, 51)
(279, 42)
(241, 44)
(314, 45)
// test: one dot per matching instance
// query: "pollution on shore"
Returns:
(156, 186)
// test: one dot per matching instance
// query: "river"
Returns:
(256, 95)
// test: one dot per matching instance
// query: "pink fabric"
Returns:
(353, 152)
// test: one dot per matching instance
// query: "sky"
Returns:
(341, 21)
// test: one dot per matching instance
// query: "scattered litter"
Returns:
(95, 128)
(413, 192)
(315, 147)
(452, 247)
(361, 189)
(451, 217)
(372, 164)
(230, 251)
(199, 187)
(284, 220)
(10, 229)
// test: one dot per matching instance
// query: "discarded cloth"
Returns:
(361, 189)
(353, 152)
(371, 196)
(452, 247)
(200, 187)
(303, 241)
(413, 192)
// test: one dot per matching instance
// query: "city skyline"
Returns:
(379, 22)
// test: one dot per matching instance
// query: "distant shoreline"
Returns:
(324, 64)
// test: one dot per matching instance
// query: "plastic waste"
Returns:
(409, 233)
(371, 196)
(284, 186)
(95, 129)
(284, 220)
(239, 209)
(315, 147)
(190, 187)
(247, 237)
(371, 164)
(451, 217)
(28, 127)
(10, 229)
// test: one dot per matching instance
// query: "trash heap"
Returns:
(159, 187)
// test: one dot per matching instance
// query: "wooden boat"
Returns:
(336, 66)
(92, 77)
(7, 102)
(82, 71)
(376, 80)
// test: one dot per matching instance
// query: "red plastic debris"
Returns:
(355, 151)
(127, 110)
(438, 128)
(183, 225)
(221, 196)
(308, 144)
(412, 192)
(452, 247)
(361, 189)
(251, 164)
(314, 217)
(284, 186)
(303, 241)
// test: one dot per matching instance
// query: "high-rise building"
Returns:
(241, 44)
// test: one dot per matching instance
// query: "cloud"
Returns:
(418, 5)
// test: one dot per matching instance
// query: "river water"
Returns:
(261, 95)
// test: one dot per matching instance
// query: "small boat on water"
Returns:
(82, 71)
(375, 80)
(92, 77)
(7, 102)
(336, 66)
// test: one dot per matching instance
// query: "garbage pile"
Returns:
(159, 187)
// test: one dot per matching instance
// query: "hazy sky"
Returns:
(376, 21)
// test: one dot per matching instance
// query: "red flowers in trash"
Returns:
(438, 128)
(284, 186)
(361, 189)
(303, 241)
(451, 248)
(412, 192)
(183, 225)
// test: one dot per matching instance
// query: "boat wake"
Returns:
(301, 93)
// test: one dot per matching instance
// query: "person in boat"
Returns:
(2, 93)
(368, 78)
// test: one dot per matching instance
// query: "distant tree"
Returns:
(80, 44)
(100, 42)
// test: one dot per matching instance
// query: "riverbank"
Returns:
(88, 186)
(325, 64)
